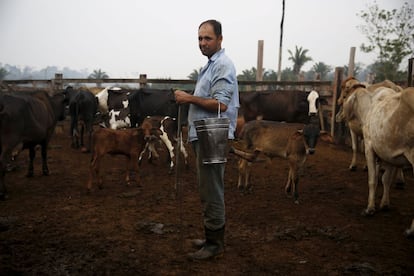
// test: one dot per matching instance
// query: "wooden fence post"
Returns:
(142, 80)
(336, 90)
(58, 82)
(351, 64)
(410, 72)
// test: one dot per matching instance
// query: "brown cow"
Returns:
(127, 142)
(274, 139)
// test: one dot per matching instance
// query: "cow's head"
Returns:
(347, 87)
(151, 133)
(313, 102)
(310, 134)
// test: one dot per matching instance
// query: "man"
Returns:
(216, 88)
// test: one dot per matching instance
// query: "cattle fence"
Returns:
(328, 91)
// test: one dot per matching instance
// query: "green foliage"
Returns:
(390, 35)
(322, 69)
(194, 74)
(299, 58)
(357, 70)
(248, 75)
(98, 74)
(3, 73)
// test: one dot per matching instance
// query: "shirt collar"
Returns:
(216, 55)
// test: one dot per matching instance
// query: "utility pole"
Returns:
(279, 69)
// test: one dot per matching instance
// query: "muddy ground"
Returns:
(50, 226)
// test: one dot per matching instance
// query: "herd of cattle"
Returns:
(283, 124)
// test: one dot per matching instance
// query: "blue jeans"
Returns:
(210, 179)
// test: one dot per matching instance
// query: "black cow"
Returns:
(287, 106)
(154, 102)
(83, 106)
(28, 120)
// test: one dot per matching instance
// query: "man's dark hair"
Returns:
(216, 26)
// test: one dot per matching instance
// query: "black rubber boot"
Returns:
(213, 246)
(198, 243)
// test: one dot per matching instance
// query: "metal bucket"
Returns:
(212, 135)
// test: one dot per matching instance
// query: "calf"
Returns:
(127, 142)
(274, 139)
(167, 132)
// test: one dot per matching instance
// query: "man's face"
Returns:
(208, 42)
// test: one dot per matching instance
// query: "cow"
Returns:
(287, 106)
(388, 136)
(290, 141)
(155, 102)
(128, 142)
(356, 101)
(385, 83)
(28, 120)
(113, 105)
(83, 107)
(167, 132)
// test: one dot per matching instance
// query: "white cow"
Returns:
(356, 101)
(389, 136)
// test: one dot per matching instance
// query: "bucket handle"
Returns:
(218, 110)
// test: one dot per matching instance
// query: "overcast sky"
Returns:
(126, 38)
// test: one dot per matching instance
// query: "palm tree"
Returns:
(98, 74)
(357, 70)
(248, 75)
(194, 74)
(299, 58)
(322, 69)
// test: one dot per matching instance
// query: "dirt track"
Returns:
(50, 226)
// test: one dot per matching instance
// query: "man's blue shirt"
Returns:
(217, 80)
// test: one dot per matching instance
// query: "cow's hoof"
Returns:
(400, 185)
(296, 201)
(352, 168)
(409, 233)
(385, 208)
(46, 173)
(29, 174)
(368, 212)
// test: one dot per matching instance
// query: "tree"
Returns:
(391, 35)
(288, 74)
(194, 74)
(299, 58)
(248, 75)
(269, 75)
(98, 74)
(357, 70)
(3, 73)
(322, 69)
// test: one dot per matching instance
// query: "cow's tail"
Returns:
(251, 157)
